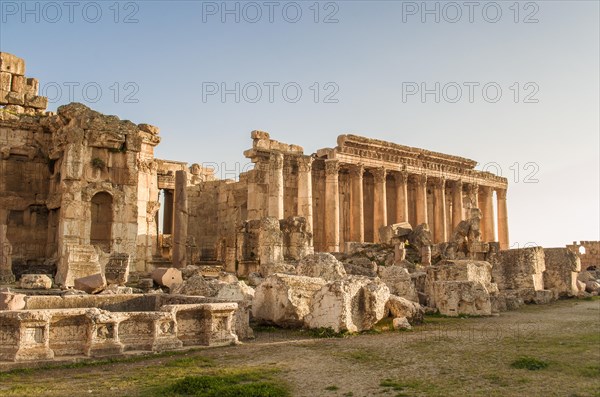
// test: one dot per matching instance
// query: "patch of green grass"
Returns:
(194, 361)
(248, 383)
(530, 363)
(332, 388)
(360, 355)
(408, 386)
(327, 333)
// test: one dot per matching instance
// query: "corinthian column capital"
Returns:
(332, 167)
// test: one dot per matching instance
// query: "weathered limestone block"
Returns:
(593, 287)
(31, 86)
(196, 285)
(399, 282)
(454, 298)
(562, 267)
(420, 237)
(361, 266)
(79, 261)
(5, 82)
(115, 289)
(322, 265)
(145, 283)
(389, 232)
(18, 83)
(35, 281)
(521, 268)
(91, 284)
(284, 299)
(35, 101)
(269, 268)
(167, 277)
(11, 64)
(401, 323)
(353, 304)
(426, 255)
(11, 301)
(468, 290)
(586, 276)
(401, 307)
(297, 238)
(239, 291)
(254, 279)
(116, 270)
(270, 241)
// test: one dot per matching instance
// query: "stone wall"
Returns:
(562, 268)
(18, 93)
(588, 252)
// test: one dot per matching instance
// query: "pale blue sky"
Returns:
(170, 54)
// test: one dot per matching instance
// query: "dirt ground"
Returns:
(449, 357)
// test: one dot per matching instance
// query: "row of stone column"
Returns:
(483, 196)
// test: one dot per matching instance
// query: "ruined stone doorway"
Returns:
(102, 219)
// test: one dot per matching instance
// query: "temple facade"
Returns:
(78, 187)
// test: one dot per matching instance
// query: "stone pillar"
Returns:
(473, 194)
(276, 186)
(305, 208)
(502, 219)
(401, 196)
(357, 214)
(421, 199)
(181, 220)
(332, 206)
(487, 211)
(379, 202)
(457, 203)
(439, 205)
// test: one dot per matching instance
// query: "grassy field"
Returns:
(551, 350)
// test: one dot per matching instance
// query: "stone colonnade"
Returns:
(410, 198)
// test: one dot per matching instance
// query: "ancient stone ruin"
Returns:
(341, 239)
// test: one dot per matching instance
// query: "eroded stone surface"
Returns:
(35, 281)
(322, 265)
(353, 304)
(284, 299)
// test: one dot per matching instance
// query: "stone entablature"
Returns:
(354, 149)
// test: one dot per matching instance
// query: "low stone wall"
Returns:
(44, 334)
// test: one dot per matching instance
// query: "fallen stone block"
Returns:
(562, 267)
(519, 268)
(145, 283)
(354, 304)
(401, 307)
(593, 287)
(116, 270)
(401, 323)
(322, 265)
(197, 286)
(453, 298)
(399, 282)
(91, 284)
(284, 299)
(167, 277)
(35, 281)
(239, 291)
(389, 232)
(11, 301)
(114, 289)
(267, 269)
